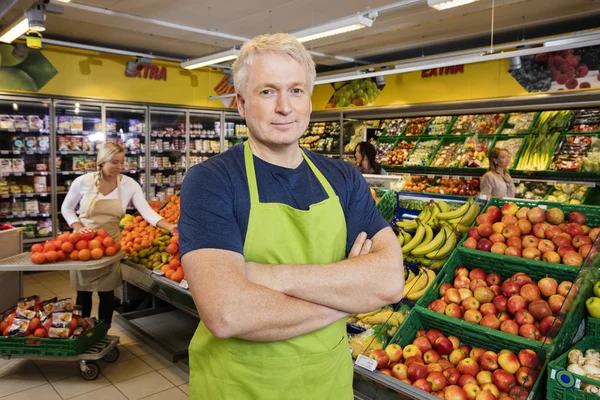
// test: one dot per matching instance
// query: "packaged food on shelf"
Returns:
(64, 144)
(20, 122)
(439, 125)
(584, 121)
(394, 127)
(518, 123)
(591, 162)
(416, 126)
(29, 229)
(31, 143)
(398, 155)
(18, 144)
(7, 122)
(570, 153)
(35, 122)
(464, 124)
(76, 124)
(63, 122)
(31, 206)
(487, 124)
(18, 165)
(5, 165)
(76, 143)
(531, 190)
(45, 207)
(422, 153)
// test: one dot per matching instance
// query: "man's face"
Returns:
(276, 103)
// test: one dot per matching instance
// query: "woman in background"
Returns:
(497, 182)
(103, 197)
(365, 159)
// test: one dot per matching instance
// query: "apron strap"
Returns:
(251, 174)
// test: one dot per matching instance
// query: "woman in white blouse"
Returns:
(103, 197)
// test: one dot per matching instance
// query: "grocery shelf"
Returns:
(211, 137)
(25, 215)
(38, 239)
(74, 153)
(167, 151)
(236, 137)
(17, 195)
(26, 173)
(24, 130)
(19, 152)
(165, 184)
(72, 172)
(166, 135)
(167, 169)
(205, 151)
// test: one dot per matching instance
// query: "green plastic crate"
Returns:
(571, 322)
(592, 327)
(15, 346)
(564, 385)
(418, 320)
(387, 205)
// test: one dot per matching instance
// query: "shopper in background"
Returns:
(497, 182)
(365, 159)
(103, 197)
(279, 245)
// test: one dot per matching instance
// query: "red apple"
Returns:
(522, 278)
(496, 289)
(498, 248)
(584, 250)
(510, 326)
(485, 395)
(433, 367)
(532, 253)
(509, 219)
(470, 243)
(514, 242)
(522, 213)
(465, 379)
(452, 375)
(493, 279)
(437, 381)
(551, 257)
(503, 380)
(443, 346)
(581, 240)
(539, 230)
(473, 233)
(453, 310)
(489, 361)
(400, 371)
(413, 359)
(565, 288)
(593, 234)
(454, 392)
(483, 294)
(508, 361)
(586, 230)
(524, 226)
(484, 377)
(417, 371)
(411, 351)
(465, 294)
(485, 230)
(513, 251)
(526, 377)
(461, 282)
(423, 385)
(457, 356)
(504, 316)
(529, 331)
(577, 218)
(476, 354)
(498, 227)
(511, 231)
(509, 208)
(497, 238)
(523, 317)
(515, 303)
(422, 343)
(562, 239)
(490, 321)
(465, 348)
(519, 393)
(470, 303)
(443, 288)
(555, 216)
(494, 212)
(536, 215)
(491, 388)
(500, 303)
(563, 249)
(555, 302)
(484, 219)
(530, 292)
(552, 231)
(438, 306)
(471, 390)
(529, 241)
(574, 229)
(431, 356)
(420, 333)
(572, 258)
(394, 352)
(488, 309)
(545, 246)
(484, 245)
(473, 316)
(461, 271)
(510, 288)
(452, 296)
(550, 326)
(527, 358)
(381, 357)
(433, 335)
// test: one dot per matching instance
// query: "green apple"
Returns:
(593, 306)
(597, 289)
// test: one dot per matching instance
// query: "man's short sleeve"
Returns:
(207, 219)
(363, 215)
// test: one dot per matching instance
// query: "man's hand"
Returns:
(361, 246)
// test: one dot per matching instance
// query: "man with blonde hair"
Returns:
(279, 245)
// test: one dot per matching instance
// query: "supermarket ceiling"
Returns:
(412, 29)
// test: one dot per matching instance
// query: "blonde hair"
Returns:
(278, 43)
(107, 152)
(493, 157)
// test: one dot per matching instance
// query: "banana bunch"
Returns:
(370, 319)
(416, 286)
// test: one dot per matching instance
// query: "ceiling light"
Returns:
(211, 59)
(15, 107)
(336, 27)
(63, 1)
(16, 30)
(36, 20)
(445, 4)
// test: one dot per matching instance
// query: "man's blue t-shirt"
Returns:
(215, 201)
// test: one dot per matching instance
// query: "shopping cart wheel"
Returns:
(112, 356)
(90, 370)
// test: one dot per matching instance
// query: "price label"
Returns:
(12, 130)
(44, 194)
(589, 184)
(5, 196)
(159, 151)
(365, 362)
(29, 195)
(552, 183)
(516, 180)
(468, 178)
(60, 132)
(184, 284)
(17, 174)
(29, 152)
(33, 214)
(456, 177)
(64, 152)
(161, 135)
(161, 169)
(16, 152)
(431, 176)
(445, 176)
(4, 152)
(30, 174)
(90, 153)
(26, 130)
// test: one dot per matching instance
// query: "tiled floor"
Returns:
(140, 372)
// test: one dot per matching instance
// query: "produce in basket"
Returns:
(537, 151)
(416, 126)
(439, 125)
(422, 153)
(584, 121)
(398, 155)
(570, 153)
(388, 315)
(591, 162)
(531, 190)
(510, 145)
(516, 305)
(486, 124)
(568, 193)
(75, 246)
(394, 127)
(382, 150)
(550, 122)
(464, 124)
(518, 123)
(533, 233)
(588, 365)
(448, 368)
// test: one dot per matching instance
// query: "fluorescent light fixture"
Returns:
(336, 27)
(446, 4)
(15, 31)
(211, 59)
(63, 1)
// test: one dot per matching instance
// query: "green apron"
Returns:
(313, 366)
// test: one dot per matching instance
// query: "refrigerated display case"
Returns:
(25, 179)
(204, 136)
(167, 152)
(234, 130)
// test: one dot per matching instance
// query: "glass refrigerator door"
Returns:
(205, 140)
(167, 152)
(25, 179)
(322, 137)
(234, 130)
(78, 137)
(128, 127)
